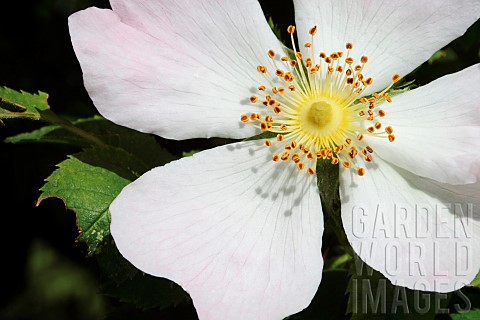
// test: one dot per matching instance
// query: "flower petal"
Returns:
(437, 129)
(397, 36)
(419, 233)
(240, 233)
(174, 68)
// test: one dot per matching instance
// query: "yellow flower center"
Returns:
(314, 103)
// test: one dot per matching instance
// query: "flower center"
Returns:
(314, 105)
(320, 118)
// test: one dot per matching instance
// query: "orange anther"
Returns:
(244, 118)
(361, 171)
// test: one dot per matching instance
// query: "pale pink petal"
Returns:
(437, 129)
(240, 233)
(397, 36)
(417, 232)
(189, 74)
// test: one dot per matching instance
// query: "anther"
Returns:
(369, 149)
(288, 76)
(371, 129)
(349, 60)
(279, 73)
(268, 119)
(291, 29)
(349, 46)
(244, 118)
(300, 166)
(364, 59)
(277, 109)
(369, 81)
(389, 130)
(263, 126)
(368, 158)
(299, 55)
(395, 78)
(360, 137)
(284, 127)
(284, 58)
(262, 69)
(285, 156)
(361, 171)
(275, 157)
(378, 125)
(346, 164)
(323, 55)
(271, 53)
(310, 171)
(308, 45)
(262, 88)
(381, 113)
(313, 30)
(391, 137)
(334, 161)
(253, 99)
(279, 137)
(268, 143)
(348, 141)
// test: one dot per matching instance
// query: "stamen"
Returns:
(317, 108)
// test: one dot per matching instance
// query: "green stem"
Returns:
(52, 118)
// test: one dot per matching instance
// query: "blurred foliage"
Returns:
(51, 278)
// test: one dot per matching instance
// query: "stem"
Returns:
(52, 118)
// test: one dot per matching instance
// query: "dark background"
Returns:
(46, 274)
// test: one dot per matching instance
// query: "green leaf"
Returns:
(471, 315)
(190, 153)
(143, 146)
(15, 104)
(88, 182)
(476, 281)
(275, 28)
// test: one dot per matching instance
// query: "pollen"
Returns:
(315, 105)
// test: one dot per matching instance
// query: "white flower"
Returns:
(242, 233)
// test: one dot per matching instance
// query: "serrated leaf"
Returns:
(471, 315)
(15, 104)
(88, 182)
(142, 145)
